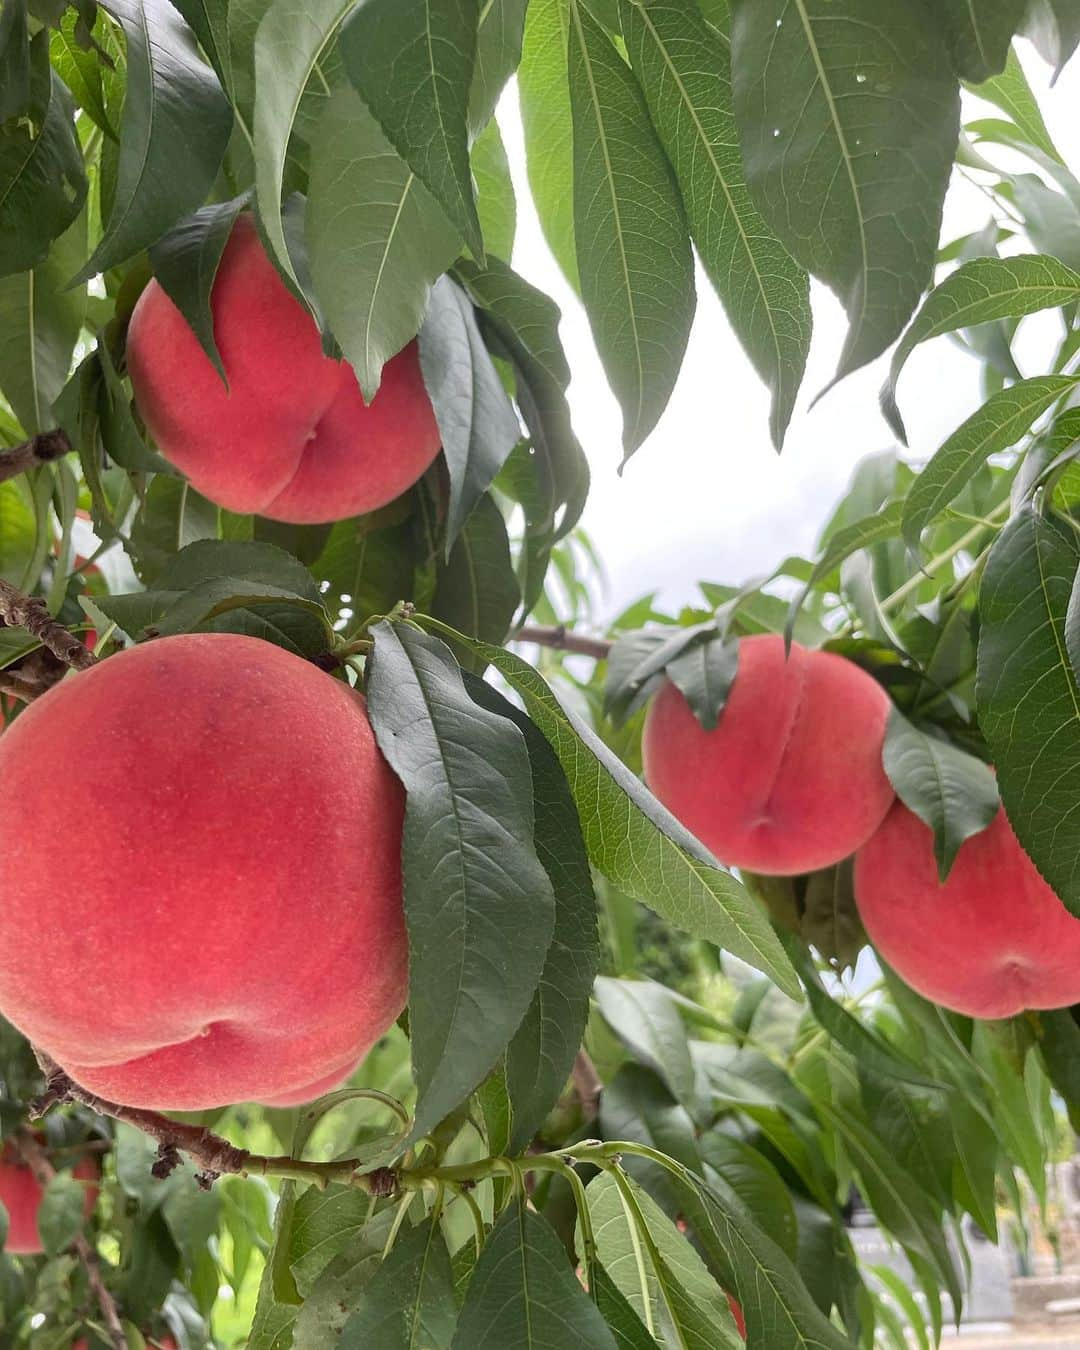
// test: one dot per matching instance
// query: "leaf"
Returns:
(175, 127)
(412, 64)
(478, 903)
(377, 240)
(830, 918)
(209, 21)
(498, 52)
(644, 1017)
(704, 675)
(173, 515)
(633, 251)
(878, 525)
(1001, 421)
(636, 663)
(948, 789)
(685, 72)
(1028, 699)
(14, 60)
(495, 200)
(635, 842)
(44, 182)
(476, 419)
(978, 292)
(409, 1304)
(185, 263)
(980, 34)
(544, 89)
(542, 1052)
(622, 1320)
(523, 1294)
(476, 590)
(39, 326)
(848, 121)
(293, 37)
(60, 1216)
(1054, 27)
(1011, 93)
(84, 73)
(1059, 1043)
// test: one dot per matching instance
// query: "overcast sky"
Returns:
(706, 496)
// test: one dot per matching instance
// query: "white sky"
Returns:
(707, 497)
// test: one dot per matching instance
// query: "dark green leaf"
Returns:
(915, 1128)
(848, 121)
(185, 262)
(476, 419)
(409, 1304)
(476, 591)
(758, 1185)
(684, 69)
(633, 250)
(542, 1052)
(623, 1322)
(209, 21)
(1059, 1042)
(704, 674)
(377, 238)
(948, 789)
(14, 60)
(172, 516)
(121, 438)
(980, 33)
(60, 1217)
(44, 180)
(4, 1225)
(524, 1295)
(638, 845)
(1028, 698)
(495, 200)
(412, 63)
(478, 903)
(372, 564)
(979, 291)
(1001, 421)
(638, 660)
(172, 139)
(498, 51)
(830, 919)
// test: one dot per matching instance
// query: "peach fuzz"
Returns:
(790, 780)
(20, 1194)
(237, 931)
(291, 436)
(991, 942)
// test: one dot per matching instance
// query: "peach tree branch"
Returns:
(40, 449)
(562, 640)
(31, 612)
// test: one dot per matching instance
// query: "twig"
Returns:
(587, 1085)
(213, 1155)
(40, 449)
(35, 1158)
(15, 685)
(562, 640)
(31, 612)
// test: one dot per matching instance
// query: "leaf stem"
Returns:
(995, 519)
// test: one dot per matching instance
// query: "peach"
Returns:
(790, 780)
(990, 942)
(291, 436)
(237, 929)
(21, 1195)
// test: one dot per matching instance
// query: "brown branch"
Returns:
(213, 1155)
(36, 1159)
(16, 686)
(564, 641)
(40, 449)
(31, 612)
(587, 1085)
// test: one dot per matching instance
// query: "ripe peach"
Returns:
(790, 780)
(21, 1195)
(237, 930)
(291, 437)
(990, 942)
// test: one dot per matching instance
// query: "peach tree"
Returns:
(391, 954)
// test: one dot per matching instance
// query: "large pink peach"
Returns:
(990, 942)
(235, 931)
(790, 780)
(20, 1194)
(291, 436)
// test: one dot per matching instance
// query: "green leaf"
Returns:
(1017, 1126)
(544, 88)
(978, 292)
(85, 74)
(633, 251)
(44, 180)
(5, 1224)
(495, 200)
(121, 438)
(1054, 27)
(377, 239)
(1002, 420)
(1028, 698)
(369, 562)
(209, 21)
(1059, 1042)
(175, 127)
(476, 591)
(412, 64)
(914, 1127)
(293, 38)
(948, 789)
(542, 1052)
(524, 1295)
(637, 660)
(848, 121)
(830, 918)
(476, 419)
(623, 1322)
(635, 842)
(60, 1217)
(685, 72)
(758, 1185)
(185, 262)
(1011, 93)
(980, 34)
(704, 674)
(878, 525)
(14, 60)
(39, 325)
(172, 516)
(409, 1304)
(643, 1015)
(478, 902)
(498, 52)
